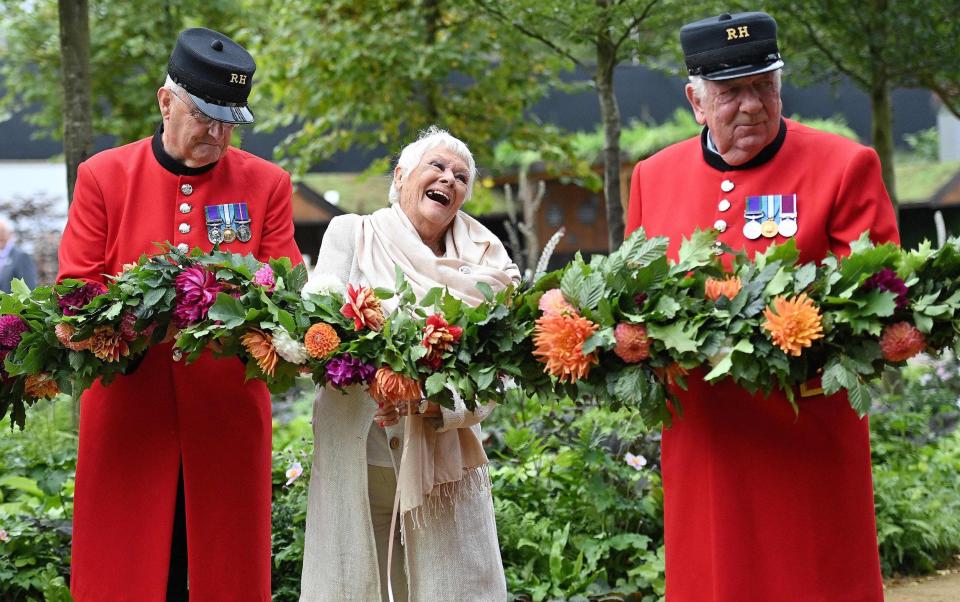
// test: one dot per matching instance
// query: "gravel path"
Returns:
(943, 586)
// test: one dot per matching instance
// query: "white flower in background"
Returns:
(4, 536)
(293, 473)
(292, 351)
(322, 284)
(637, 462)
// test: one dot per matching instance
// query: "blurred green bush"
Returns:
(577, 492)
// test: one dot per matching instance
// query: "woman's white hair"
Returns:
(700, 86)
(429, 138)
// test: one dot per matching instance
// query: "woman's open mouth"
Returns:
(438, 197)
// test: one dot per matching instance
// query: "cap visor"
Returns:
(742, 71)
(234, 115)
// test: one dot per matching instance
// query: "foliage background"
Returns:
(574, 518)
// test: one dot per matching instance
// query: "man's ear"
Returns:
(397, 177)
(165, 100)
(698, 111)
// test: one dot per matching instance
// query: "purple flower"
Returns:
(265, 278)
(197, 290)
(887, 280)
(346, 370)
(11, 329)
(73, 301)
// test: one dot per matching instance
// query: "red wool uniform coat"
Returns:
(761, 504)
(136, 433)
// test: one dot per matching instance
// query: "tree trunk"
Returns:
(75, 62)
(882, 126)
(610, 115)
(77, 110)
(432, 16)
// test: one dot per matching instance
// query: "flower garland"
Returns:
(621, 329)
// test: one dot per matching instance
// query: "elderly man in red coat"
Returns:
(761, 503)
(173, 474)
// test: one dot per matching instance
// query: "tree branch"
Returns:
(634, 23)
(499, 14)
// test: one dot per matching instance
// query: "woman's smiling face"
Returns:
(433, 191)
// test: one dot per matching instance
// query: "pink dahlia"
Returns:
(11, 331)
(265, 278)
(633, 344)
(197, 290)
(901, 341)
(75, 300)
(553, 303)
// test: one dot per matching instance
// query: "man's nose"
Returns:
(750, 101)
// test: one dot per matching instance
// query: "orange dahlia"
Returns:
(40, 386)
(107, 344)
(558, 342)
(901, 341)
(715, 288)
(260, 347)
(793, 323)
(363, 306)
(65, 332)
(633, 344)
(321, 340)
(389, 387)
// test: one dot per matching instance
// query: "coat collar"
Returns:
(716, 161)
(169, 163)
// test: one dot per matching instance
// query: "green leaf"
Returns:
(486, 290)
(630, 385)
(696, 251)
(435, 383)
(18, 483)
(228, 310)
(779, 283)
(19, 289)
(286, 320)
(859, 396)
(803, 277)
(432, 296)
(603, 339)
(836, 376)
(674, 336)
(152, 296)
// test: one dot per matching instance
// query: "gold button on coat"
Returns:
(186, 207)
(186, 189)
(184, 228)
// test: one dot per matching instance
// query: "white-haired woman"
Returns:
(451, 551)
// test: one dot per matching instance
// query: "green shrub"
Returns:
(36, 505)
(292, 444)
(573, 517)
(916, 465)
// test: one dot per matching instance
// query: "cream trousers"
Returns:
(382, 485)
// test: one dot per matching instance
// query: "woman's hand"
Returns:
(386, 415)
(431, 410)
